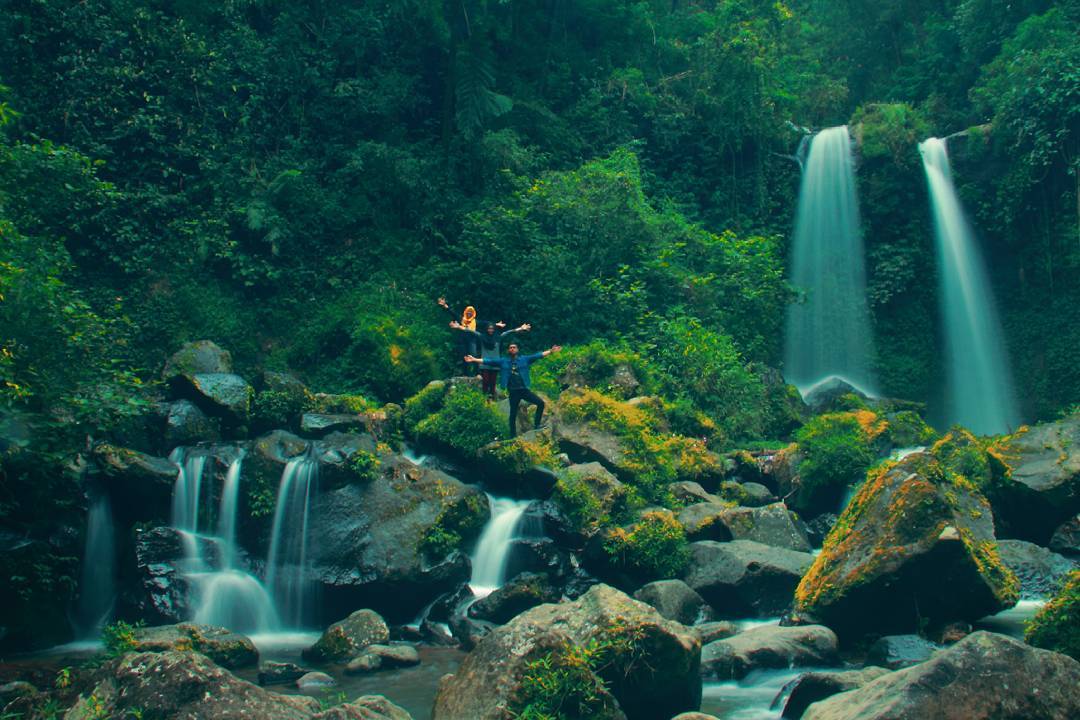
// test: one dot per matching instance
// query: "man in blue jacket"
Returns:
(514, 378)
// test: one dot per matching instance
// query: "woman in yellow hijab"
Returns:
(466, 342)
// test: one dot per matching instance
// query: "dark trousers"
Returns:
(488, 376)
(516, 396)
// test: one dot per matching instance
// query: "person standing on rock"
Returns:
(466, 344)
(490, 351)
(514, 378)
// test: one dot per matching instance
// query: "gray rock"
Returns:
(346, 638)
(201, 356)
(825, 396)
(225, 392)
(186, 424)
(657, 677)
(182, 685)
(322, 423)
(144, 481)
(810, 687)
(394, 656)
(365, 662)
(705, 521)
(769, 647)
(1040, 571)
(715, 630)
(314, 681)
(985, 675)
(225, 647)
(759, 494)
(675, 600)
(691, 492)
(743, 577)
(525, 591)
(1066, 539)
(162, 589)
(368, 707)
(900, 651)
(280, 673)
(769, 525)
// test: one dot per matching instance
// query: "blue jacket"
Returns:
(523, 362)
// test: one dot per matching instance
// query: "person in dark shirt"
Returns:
(514, 378)
(490, 344)
(466, 343)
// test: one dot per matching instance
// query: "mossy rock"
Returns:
(346, 638)
(916, 544)
(1057, 625)
(201, 356)
(226, 648)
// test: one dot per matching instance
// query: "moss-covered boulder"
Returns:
(179, 684)
(614, 657)
(186, 424)
(521, 466)
(590, 497)
(915, 544)
(201, 356)
(1036, 484)
(224, 647)
(346, 638)
(1057, 625)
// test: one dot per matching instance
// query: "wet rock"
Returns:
(162, 589)
(282, 382)
(182, 685)
(323, 423)
(1040, 571)
(368, 707)
(525, 591)
(364, 663)
(915, 543)
(539, 555)
(522, 466)
(769, 647)
(705, 521)
(367, 539)
(280, 673)
(675, 600)
(142, 480)
(818, 528)
(658, 677)
(346, 638)
(899, 651)
(690, 492)
(226, 648)
(395, 656)
(826, 395)
(743, 577)
(186, 424)
(1066, 539)
(810, 687)
(314, 682)
(757, 494)
(469, 631)
(555, 524)
(768, 525)
(985, 675)
(1042, 487)
(715, 630)
(201, 356)
(221, 393)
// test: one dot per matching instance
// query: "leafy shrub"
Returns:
(578, 495)
(364, 465)
(837, 451)
(456, 523)
(465, 423)
(655, 547)
(890, 130)
(119, 637)
(566, 684)
(908, 429)
(274, 408)
(1057, 625)
(594, 365)
(424, 404)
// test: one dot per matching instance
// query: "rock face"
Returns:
(916, 542)
(769, 647)
(142, 480)
(1040, 571)
(743, 577)
(224, 647)
(367, 539)
(1043, 485)
(675, 600)
(653, 672)
(368, 707)
(985, 675)
(810, 687)
(223, 392)
(186, 424)
(163, 591)
(182, 686)
(345, 639)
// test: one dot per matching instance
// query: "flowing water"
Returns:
(492, 552)
(979, 392)
(97, 589)
(829, 334)
(758, 696)
(287, 572)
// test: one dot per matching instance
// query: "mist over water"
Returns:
(978, 392)
(829, 334)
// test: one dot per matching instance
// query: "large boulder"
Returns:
(985, 675)
(182, 686)
(367, 707)
(319, 424)
(1040, 571)
(810, 687)
(201, 356)
(675, 600)
(1041, 487)
(770, 646)
(525, 591)
(371, 541)
(346, 638)
(1066, 539)
(221, 394)
(705, 521)
(915, 544)
(650, 665)
(586, 443)
(186, 424)
(744, 577)
(900, 651)
(826, 395)
(162, 590)
(225, 647)
(143, 481)
(769, 525)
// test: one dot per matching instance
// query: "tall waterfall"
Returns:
(223, 593)
(97, 588)
(829, 335)
(979, 392)
(492, 552)
(287, 572)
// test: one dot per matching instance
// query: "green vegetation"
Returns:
(565, 684)
(465, 422)
(836, 452)
(119, 637)
(1057, 625)
(364, 465)
(653, 548)
(593, 500)
(457, 522)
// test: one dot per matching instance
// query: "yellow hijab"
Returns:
(468, 318)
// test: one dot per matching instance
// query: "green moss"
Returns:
(1057, 626)
(465, 422)
(364, 465)
(908, 429)
(578, 495)
(836, 452)
(457, 522)
(964, 455)
(519, 455)
(653, 548)
(274, 408)
(423, 404)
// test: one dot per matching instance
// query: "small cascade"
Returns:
(979, 393)
(287, 569)
(97, 588)
(223, 593)
(492, 552)
(829, 334)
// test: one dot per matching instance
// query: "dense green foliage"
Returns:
(653, 548)
(836, 453)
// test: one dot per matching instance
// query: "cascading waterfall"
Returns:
(223, 594)
(979, 392)
(287, 573)
(829, 334)
(492, 552)
(97, 589)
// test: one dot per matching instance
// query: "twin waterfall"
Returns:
(829, 334)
